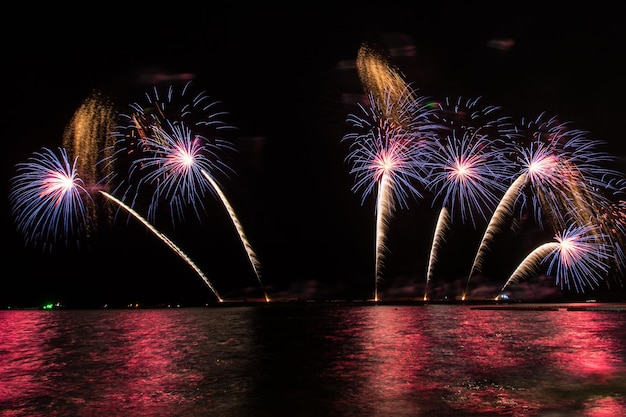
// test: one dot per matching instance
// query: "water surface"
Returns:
(313, 359)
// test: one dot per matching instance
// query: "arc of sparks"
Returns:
(252, 257)
(383, 215)
(165, 240)
(385, 151)
(579, 255)
(530, 264)
(504, 209)
(443, 224)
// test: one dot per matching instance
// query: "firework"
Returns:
(171, 164)
(387, 144)
(578, 257)
(466, 174)
(564, 167)
(562, 179)
(465, 163)
(87, 137)
(48, 202)
(166, 142)
(177, 154)
(48, 198)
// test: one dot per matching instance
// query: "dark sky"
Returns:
(279, 74)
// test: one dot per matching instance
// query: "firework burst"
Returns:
(48, 199)
(387, 144)
(48, 202)
(465, 164)
(578, 258)
(177, 154)
(562, 179)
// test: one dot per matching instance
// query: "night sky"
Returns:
(282, 75)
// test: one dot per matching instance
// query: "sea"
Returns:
(315, 359)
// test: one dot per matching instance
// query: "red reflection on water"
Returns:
(585, 350)
(515, 363)
(397, 350)
(384, 359)
(605, 407)
(109, 364)
(148, 357)
(585, 346)
(25, 354)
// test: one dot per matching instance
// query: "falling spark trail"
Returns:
(530, 263)
(443, 223)
(386, 149)
(254, 260)
(504, 209)
(578, 256)
(165, 239)
(383, 212)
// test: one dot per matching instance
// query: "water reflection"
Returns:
(380, 357)
(431, 360)
(395, 360)
(27, 363)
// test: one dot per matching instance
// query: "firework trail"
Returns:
(174, 157)
(165, 240)
(442, 226)
(562, 178)
(47, 197)
(254, 261)
(465, 166)
(88, 137)
(578, 257)
(385, 149)
(503, 211)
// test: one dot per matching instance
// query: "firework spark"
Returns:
(177, 159)
(385, 149)
(48, 197)
(562, 180)
(443, 224)
(578, 257)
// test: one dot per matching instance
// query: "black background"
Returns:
(279, 73)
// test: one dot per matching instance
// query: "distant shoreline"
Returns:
(473, 304)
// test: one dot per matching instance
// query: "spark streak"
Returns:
(578, 257)
(254, 261)
(443, 224)
(165, 240)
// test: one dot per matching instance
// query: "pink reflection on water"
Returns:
(385, 356)
(605, 407)
(584, 346)
(149, 351)
(25, 355)
(95, 363)
(514, 363)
